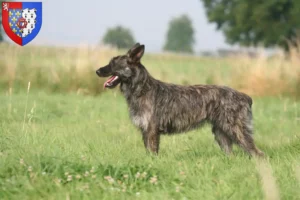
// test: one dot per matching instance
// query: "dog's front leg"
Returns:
(151, 141)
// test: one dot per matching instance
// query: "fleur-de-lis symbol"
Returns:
(5, 6)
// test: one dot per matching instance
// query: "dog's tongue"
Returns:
(109, 81)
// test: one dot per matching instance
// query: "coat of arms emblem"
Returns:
(22, 21)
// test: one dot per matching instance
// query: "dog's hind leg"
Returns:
(243, 137)
(223, 140)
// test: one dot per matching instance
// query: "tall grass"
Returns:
(268, 76)
(51, 68)
(73, 70)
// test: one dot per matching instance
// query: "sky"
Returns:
(68, 23)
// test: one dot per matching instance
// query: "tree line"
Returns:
(248, 23)
(244, 22)
(179, 38)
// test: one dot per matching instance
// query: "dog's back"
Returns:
(176, 109)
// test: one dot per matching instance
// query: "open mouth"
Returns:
(112, 82)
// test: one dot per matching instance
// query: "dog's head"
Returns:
(121, 68)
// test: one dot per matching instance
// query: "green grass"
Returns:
(74, 134)
(58, 134)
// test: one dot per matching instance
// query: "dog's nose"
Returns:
(98, 72)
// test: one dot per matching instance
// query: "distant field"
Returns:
(69, 69)
(73, 69)
(61, 141)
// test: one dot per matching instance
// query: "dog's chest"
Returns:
(141, 114)
(141, 120)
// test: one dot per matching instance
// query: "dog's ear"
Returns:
(137, 53)
(132, 48)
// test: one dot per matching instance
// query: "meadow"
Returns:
(64, 137)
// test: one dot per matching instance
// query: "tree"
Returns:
(119, 37)
(180, 35)
(256, 22)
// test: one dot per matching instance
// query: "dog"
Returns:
(158, 108)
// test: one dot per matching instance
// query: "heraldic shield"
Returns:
(22, 21)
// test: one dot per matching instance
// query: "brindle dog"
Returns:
(162, 108)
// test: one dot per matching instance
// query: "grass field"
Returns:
(66, 145)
